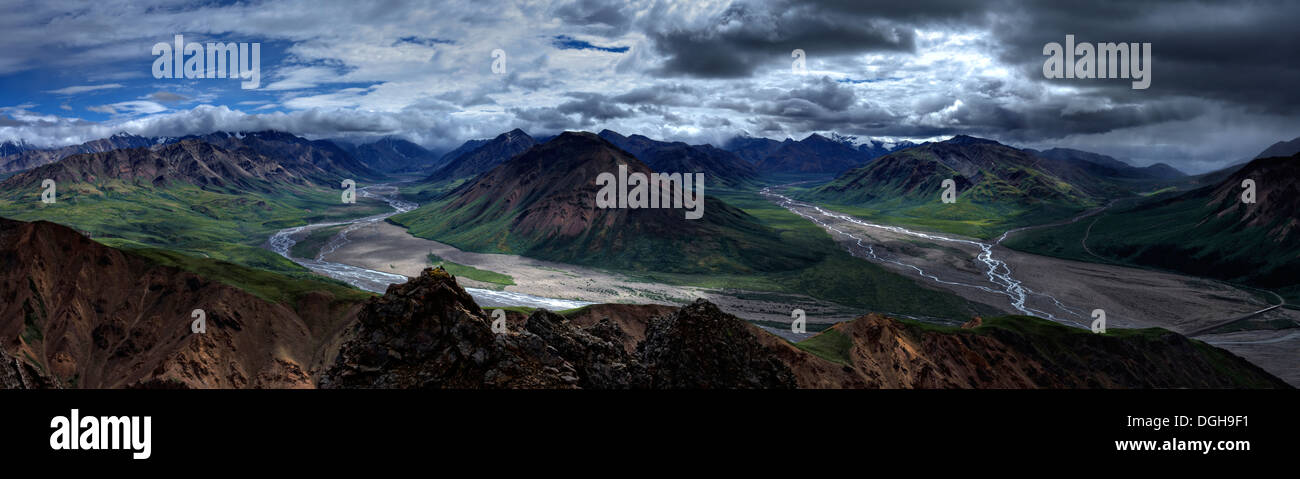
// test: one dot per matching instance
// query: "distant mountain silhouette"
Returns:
(720, 167)
(1281, 148)
(1102, 165)
(475, 160)
(216, 160)
(395, 155)
(17, 156)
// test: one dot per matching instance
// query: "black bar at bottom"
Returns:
(288, 427)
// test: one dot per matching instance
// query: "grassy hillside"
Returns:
(835, 275)
(431, 190)
(829, 273)
(311, 244)
(1003, 188)
(275, 287)
(1186, 236)
(730, 242)
(966, 217)
(471, 272)
(228, 225)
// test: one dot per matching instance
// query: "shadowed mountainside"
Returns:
(542, 204)
(87, 315)
(1208, 231)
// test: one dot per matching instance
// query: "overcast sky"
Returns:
(1224, 74)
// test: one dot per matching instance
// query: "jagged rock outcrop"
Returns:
(595, 353)
(702, 347)
(631, 319)
(18, 374)
(429, 333)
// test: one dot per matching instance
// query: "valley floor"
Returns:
(386, 247)
(1068, 291)
(981, 271)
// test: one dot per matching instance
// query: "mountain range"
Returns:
(477, 157)
(386, 155)
(1281, 148)
(542, 204)
(167, 216)
(1105, 166)
(18, 156)
(998, 187)
(394, 155)
(720, 167)
(815, 154)
(254, 162)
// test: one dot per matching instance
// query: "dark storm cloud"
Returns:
(748, 35)
(593, 106)
(1242, 52)
(544, 119)
(592, 12)
(582, 111)
(467, 98)
(827, 93)
(675, 94)
(1057, 120)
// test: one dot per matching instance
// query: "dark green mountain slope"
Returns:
(193, 196)
(998, 187)
(542, 204)
(1206, 232)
